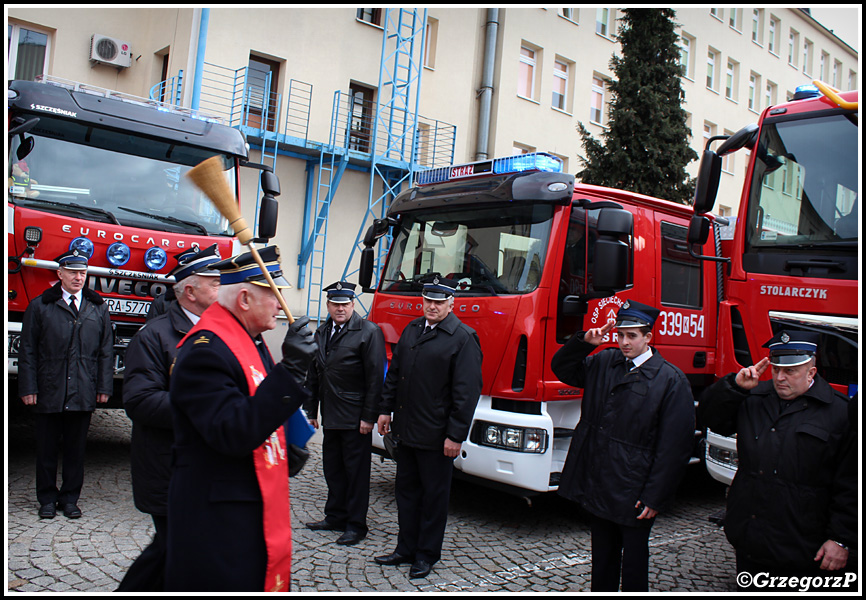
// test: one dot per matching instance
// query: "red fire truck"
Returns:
(538, 258)
(103, 172)
(790, 258)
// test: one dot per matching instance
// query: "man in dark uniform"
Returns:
(345, 379)
(432, 388)
(792, 506)
(229, 521)
(65, 368)
(145, 397)
(632, 444)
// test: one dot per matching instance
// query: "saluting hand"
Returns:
(596, 336)
(749, 377)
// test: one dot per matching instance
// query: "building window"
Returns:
(261, 93)
(852, 80)
(526, 73)
(361, 102)
(711, 69)
(731, 76)
(770, 94)
(604, 21)
(822, 66)
(735, 20)
(837, 74)
(793, 44)
(686, 45)
(560, 85)
(718, 13)
(28, 52)
(807, 57)
(596, 109)
(774, 31)
(370, 15)
(754, 91)
(728, 159)
(518, 149)
(430, 39)
(757, 25)
(569, 13)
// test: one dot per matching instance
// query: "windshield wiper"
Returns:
(167, 219)
(77, 207)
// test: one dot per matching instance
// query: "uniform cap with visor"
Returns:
(792, 348)
(243, 268)
(196, 261)
(72, 260)
(438, 288)
(635, 314)
(340, 292)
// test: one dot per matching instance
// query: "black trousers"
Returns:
(147, 573)
(422, 489)
(66, 431)
(346, 464)
(618, 549)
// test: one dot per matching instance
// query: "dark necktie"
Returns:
(72, 305)
(335, 331)
(629, 365)
(427, 330)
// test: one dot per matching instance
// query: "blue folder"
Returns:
(298, 429)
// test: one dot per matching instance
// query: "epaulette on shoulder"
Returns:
(201, 338)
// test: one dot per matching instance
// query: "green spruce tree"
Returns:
(646, 141)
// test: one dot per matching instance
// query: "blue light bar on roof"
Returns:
(536, 161)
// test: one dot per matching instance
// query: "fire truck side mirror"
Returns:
(699, 230)
(268, 209)
(268, 217)
(612, 261)
(708, 182)
(365, 274)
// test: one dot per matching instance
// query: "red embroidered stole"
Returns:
(270, 459)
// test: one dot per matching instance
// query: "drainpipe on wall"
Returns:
(199, 58)
(486, 91)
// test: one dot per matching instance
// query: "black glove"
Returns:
(299, 347)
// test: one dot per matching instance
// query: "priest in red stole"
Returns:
(229, 523)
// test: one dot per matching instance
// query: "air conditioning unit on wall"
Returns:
(110, 51)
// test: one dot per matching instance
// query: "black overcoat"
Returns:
(796, 485)
(215, 531)
(433, 383)
(66, 360)
(146, 399)
(346, 383)
(635, 435)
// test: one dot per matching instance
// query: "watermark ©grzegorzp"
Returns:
(802, 584)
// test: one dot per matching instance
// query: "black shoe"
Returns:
(71, 511)
(47, 511)
(393, 559)
(420, 568)
(350, 538)
(325, 525)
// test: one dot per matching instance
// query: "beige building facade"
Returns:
(550, 68)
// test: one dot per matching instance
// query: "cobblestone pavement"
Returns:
(494, 542)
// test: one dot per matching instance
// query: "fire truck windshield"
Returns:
(804, 187)
(115, 177)
(489, 250)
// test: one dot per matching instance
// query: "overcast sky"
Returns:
(843, 20)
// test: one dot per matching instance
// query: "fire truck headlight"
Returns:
(155, 258)
(118, 254)
(515, 439)
(83, 245)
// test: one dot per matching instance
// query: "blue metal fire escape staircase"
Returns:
(387, 139)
